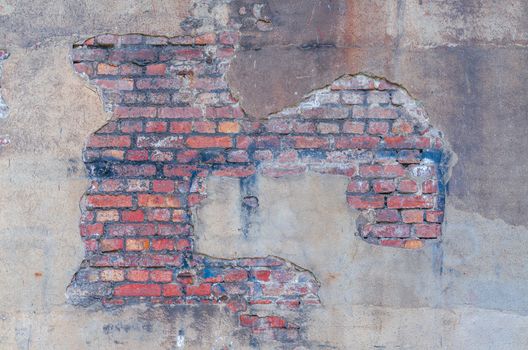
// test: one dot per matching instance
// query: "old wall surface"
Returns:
(463, 59)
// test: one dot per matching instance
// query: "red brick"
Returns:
(204, 127)
(238, 156)
(407, 142)
(200, 290)
(407, 186)
(430, 186)
(137, 244)
(249, 320)
(427, 230)
(183, 244)
(135, 112)
(366, 201)
(236, 275)
(353, 127)
(205, 39)
(91, 229)
(402, 127)
(135, 170)
(146, 229)
(99, 141)
(279, 126)
(109, 201)
(112, 275)
(180, 112)
(412, 216)
(163, 244)
(328, 128)
(375, 170)
(162, 276)
(228, 127)
(303, 127)
(262, 275)
(85, 68)
(130, 126)
(410, 202)
(160, 141)
(378, 128)
(111, 245)
(156, 69)
(434, 216)
(158, 201)
(132, 216)
(115, 84)
(362, 142)
(107, 69)
(383, 186)
(156, 214)
(90, 245)
(163, 185)
(310, 142)
(276, 322)
(409, 156)
(387, 215)
(137, 275)
(156, 127)
(387, 230)
(235, 171)
(172, 290)
(138, 290)
(180, 127)
(382, 113)
(137, 155)
(209, 142)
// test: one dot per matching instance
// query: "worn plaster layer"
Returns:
(463, 59)
(41, 186)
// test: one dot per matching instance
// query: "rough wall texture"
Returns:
(459, 58)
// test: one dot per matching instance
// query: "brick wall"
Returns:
(175, 122)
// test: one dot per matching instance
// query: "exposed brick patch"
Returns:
(175, 122)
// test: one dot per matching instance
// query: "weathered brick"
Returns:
(181, 127)
(410, 202)
(388, 170)
(407, 142)
(180, 112)
(209, 142)
(378, 128)
(132, 216)
(407, 186)
(434, 216)
(109, 201)
(199, 290)
(162, 276)
(228, 127)
(353, 127)
(362, 142)
(138, 290)
(156, 69)
(412, 216)
(162, 244)
(427, 230)
(137, 275)
(387, 230)
(109, 141)
(383, 186)
(366, 201)
(158, 201)
(137, 244)
(131, 229)
(111, 245)
(387, 215)
(172, 290)
(112, 275)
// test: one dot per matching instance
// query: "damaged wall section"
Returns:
(175, 122)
